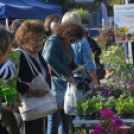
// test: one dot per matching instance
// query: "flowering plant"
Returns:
(109, 124)
(106, 37)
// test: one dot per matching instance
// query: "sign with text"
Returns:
(124, 22)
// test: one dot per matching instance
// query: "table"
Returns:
(90, 124)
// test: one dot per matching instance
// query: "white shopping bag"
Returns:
(70, 98)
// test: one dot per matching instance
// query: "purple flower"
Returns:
(123, 86)
(128, 86)
(106, 112)
(122, 82)
(118, 128)
(113, 84)
(124, 132)
(85, 95)
(97, 130)
(117, 121)
(111, 128)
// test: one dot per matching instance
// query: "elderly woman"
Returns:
(59, 58)
(30, 37)
(7, 70)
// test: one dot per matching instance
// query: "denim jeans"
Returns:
(54, 122)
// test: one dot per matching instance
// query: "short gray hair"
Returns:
(6, 39)
(71, 16)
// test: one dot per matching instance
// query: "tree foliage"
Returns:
(63, 3)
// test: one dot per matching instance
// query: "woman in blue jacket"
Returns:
(82, 52)
(59, 59)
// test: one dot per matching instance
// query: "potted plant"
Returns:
(9, 91)
(112, 58)
(106, 38)
(83, 13)
(86, 107)
(78, 109)
(125, 107)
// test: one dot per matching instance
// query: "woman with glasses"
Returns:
(82, 55)
(30, 36)
(58, 56)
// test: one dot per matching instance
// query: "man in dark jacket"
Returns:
(96, 50)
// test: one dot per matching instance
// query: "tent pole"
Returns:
(7, 23)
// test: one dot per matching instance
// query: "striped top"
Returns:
(7, 70)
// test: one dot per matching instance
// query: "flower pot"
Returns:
(126, 38)
(109, 73)
(122, 116)
(11, 98)
(86, 117)
(78, 112)
(79, 117)
(97, 117)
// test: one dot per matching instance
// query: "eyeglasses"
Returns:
(37, 42)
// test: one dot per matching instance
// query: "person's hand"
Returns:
(37, 92)
(80, 69)
(10, 108)
(70, 80)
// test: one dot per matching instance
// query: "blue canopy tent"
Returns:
(27, 9)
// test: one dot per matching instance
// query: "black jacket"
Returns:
(25, 73)
(95, 48)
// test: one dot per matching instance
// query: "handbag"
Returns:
(36, 107)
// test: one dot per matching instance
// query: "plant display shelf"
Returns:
(92, 123)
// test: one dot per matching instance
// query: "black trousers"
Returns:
(10, 123)
(30, 127)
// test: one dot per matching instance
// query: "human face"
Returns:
(54, 24)
(4, 58)
(34, 45)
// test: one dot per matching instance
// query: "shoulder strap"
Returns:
(29, 61)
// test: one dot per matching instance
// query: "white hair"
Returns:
(71, 16)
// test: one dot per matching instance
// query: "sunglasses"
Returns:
(74, 40)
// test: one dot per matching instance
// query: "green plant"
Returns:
(123, 30)
(14, 57)
(125, 106)
(83, 13)
(116, 2)
(110, 103)
(78, 109)
(86, 107)
(113, 57)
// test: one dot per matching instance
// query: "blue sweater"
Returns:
(82, 55)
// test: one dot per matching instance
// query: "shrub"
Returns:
(83, 13)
